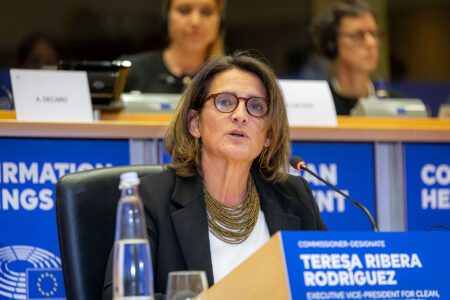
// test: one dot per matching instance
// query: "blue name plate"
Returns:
(366, 265)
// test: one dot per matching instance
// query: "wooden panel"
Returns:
(148, 126)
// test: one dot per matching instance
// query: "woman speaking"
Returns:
(227, 189)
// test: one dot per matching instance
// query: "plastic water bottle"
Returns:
(132, 269)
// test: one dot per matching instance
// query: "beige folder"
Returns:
(262, 276)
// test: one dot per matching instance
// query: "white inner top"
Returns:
(225, 257)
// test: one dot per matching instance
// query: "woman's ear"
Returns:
(194, 123)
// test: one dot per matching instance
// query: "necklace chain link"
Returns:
(233, 225)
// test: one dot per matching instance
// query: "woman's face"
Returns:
(357, 43)
(235, 136)
(193, 24)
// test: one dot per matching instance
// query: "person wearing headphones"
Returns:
(194, 31)
(348, 34)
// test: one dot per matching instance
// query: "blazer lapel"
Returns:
(191, 224)
(276, 215)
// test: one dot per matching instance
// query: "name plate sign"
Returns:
(309, 103)
(48, 95)
(362, 265)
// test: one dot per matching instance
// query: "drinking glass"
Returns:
(185, 285)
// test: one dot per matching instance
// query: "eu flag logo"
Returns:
(45, 284)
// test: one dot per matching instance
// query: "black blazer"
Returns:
(177, 223)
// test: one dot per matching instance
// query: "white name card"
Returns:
(48, 95)
(309, 103)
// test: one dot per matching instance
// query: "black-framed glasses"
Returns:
(226, 103)
(360, 35)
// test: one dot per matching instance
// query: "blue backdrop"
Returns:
(350, 167)
(427, 178)
(30, 266)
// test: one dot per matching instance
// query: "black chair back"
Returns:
(86, 205)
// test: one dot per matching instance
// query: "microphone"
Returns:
(299, 164)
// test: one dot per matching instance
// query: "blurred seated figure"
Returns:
(315, 67)
(36, 51)
(193, 29)
(347, 33)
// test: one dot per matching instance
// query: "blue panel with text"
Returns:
(348, 166)
(367, 265)
(29, 170)
(427, 180)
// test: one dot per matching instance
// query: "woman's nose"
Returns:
(240, 114)
(195, 17)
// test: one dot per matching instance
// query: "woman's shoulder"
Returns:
(291, 187)
(287, 184)
(156, 189)
(165, 180)
(293, 183)
(159, 179)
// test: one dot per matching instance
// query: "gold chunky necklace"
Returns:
(233, 225)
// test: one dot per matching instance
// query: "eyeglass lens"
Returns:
(226, 103)
(360, 36)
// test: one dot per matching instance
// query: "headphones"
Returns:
(326, 27)
(165, 19)
(327, 34)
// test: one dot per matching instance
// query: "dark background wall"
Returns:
(420, 39)
(416, 45)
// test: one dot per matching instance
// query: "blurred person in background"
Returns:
(194, 29)
(36, 51)
(347, 33)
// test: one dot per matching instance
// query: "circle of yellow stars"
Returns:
(53, 290)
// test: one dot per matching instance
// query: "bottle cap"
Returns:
(129, 178)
